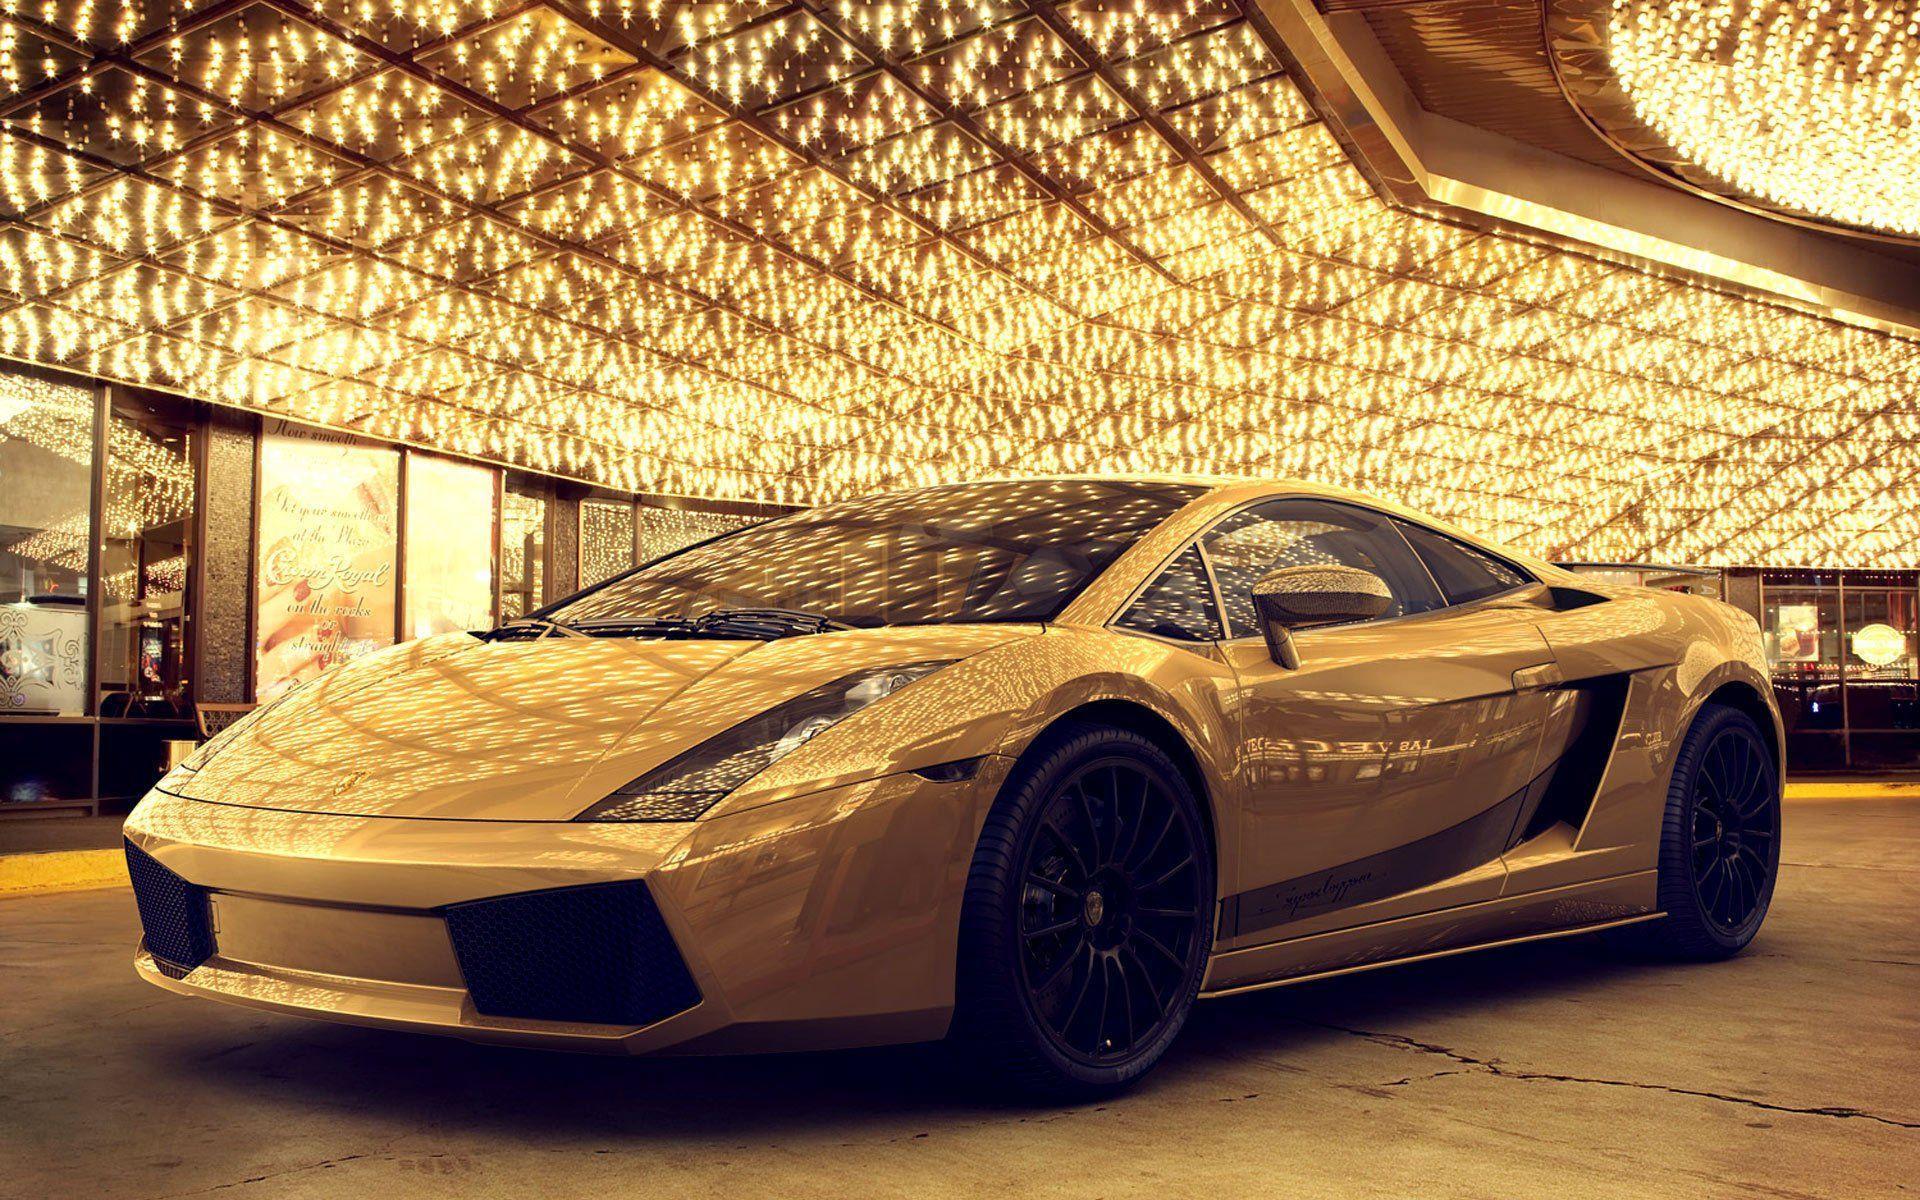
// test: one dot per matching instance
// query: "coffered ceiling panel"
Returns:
(791, 251)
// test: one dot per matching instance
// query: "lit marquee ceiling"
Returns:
(795, 251)
(1803, 108)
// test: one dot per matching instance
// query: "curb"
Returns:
(1852, 791)
(61, 871)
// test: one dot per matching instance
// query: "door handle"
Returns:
(1544, 675)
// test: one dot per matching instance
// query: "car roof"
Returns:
(1221, 493)
(1225, 492)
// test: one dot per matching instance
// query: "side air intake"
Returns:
(174, 917)
(1564, 794)
(599, 954)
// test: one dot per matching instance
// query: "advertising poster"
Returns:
(1797, 626)
(449, 546)
(325, 576)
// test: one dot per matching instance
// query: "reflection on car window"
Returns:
(1464, 573)
(1008, 551)
(1178, 603)
(1299, 533)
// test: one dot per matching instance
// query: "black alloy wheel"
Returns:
(1109, 909)
(1736, 821)
(1089, 915)
(1720, 841)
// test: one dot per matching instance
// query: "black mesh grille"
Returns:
(173, 914)
(598, 953)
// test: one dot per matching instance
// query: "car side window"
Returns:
(1299, 533)
(1463, 573)
(1178, 603)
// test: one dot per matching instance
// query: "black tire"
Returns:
(1719, 842)
(1093, 881)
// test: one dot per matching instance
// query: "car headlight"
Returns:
(692, 782)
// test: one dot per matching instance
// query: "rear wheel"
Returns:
(1088, 916)
(1719, 843)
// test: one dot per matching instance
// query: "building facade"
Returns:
(162, 559)
(454, 289)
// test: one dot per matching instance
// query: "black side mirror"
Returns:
(1291, 598)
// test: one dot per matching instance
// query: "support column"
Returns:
(563, 542)
(225, 602)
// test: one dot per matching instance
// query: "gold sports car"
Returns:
(1031, 765)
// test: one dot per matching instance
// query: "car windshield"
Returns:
(1012, 551)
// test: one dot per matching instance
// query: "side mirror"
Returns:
(1291, 598)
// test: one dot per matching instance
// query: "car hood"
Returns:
(457, 728)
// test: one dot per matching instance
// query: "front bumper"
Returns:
(828, 920)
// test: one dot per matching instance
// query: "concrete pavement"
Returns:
(1552, 1069)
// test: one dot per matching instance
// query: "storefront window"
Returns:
(664, 530)
(146, 554)
(523, 549)
(327, 541)
(46, 501)
(1801, 630)
(449, 561)
(606, 539)
(1881, 690)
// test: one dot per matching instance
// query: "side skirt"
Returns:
(1584, 907)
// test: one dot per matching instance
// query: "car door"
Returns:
(1383, 775)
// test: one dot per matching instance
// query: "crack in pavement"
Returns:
(1494, 1067)
(253, 1179)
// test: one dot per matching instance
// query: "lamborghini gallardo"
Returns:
(1029, 765)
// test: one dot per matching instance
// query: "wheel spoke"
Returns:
(1717, 872)
(1737, 897)
(1125, 857)
(1730, 770)
(1066, 848)
(1052, 885)
(1166, 953)
(1080, 991)
(1138, 862)
(1106, 1003)
(1056, 928)
(1129, 954)
(1126, 999)
(1067, 958)
(1750, 778)
(1120, 825)
(1711, 779)
(1171, 914)
(1098, 858)
(1186, 861)
(1164, 977)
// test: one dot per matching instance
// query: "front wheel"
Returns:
(1088, 916)
(1719, 841)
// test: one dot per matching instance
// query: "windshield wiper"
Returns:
(637, 627)
(761, 624)
(764, 623)
(547, 627)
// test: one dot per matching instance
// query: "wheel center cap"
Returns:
(1095, 907)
